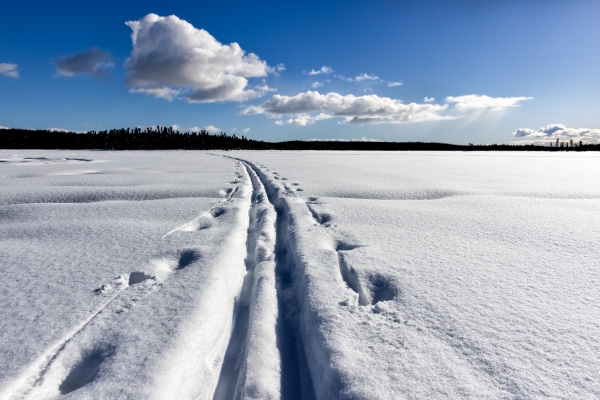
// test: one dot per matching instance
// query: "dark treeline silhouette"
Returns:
(163, 138)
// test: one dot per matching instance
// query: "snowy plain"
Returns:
(299, 275)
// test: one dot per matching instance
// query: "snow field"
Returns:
(308, 275)
(485, 292)
(107, 298)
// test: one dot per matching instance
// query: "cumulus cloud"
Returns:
(212, 129)
(366, 77)
(169, 52)
(323, 70)
(245, 130)
(559, 131)
(428, 99)
(87, 62)
(316, 84)
(392, 84)
(9, 70)
(303, 120)
(474, 101)
(354, 109)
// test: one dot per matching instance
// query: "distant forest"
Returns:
(163, 138)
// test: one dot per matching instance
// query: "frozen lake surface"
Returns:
(299, 275)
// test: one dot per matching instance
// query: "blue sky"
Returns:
(448, 71)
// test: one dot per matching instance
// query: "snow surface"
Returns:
(299, 275)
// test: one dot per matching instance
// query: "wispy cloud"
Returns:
(366, 77)
(428, 99)
(94, 62)
(474, 101)
(393, 84)
(164, 92)
(323, 70)
(9, 70)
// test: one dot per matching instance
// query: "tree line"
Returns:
(166, 138)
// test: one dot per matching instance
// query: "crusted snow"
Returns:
(361, 275)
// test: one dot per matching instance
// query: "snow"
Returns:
(365, 275)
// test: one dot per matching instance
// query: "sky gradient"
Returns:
(447, 71)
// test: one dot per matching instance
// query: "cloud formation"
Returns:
(428, 99)
(92, 62)
(164, 92)
(169, 52)
(474, 101)
(366, 77)
(323, 70)
(558, 131)
(303, 120)
(245, 130)
(212, 129)
(9, 70)
(316, 84)
(392, 84)
(354, 109)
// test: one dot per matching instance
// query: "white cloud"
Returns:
(474, 101)
(354, 109)
(160, 92)
(303, 120)
(280, 67)
(4, 127)
(428, 99)
(209, 128)
(558, 131)
(88, 62)
(245, 130)
(342, 77)
(323, 70)
(316, 85)
(366, 77)
(9, 70)
(392, 84)
(212, 129)
(169, 52)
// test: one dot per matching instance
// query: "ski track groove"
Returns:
(231, 369)
(296, 382)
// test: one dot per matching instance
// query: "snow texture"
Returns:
(299, 275)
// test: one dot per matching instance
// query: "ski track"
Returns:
(265, 315)
(296, 381)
